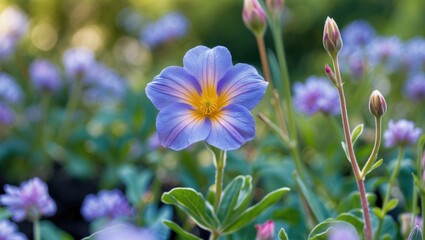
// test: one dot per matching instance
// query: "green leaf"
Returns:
(378, 212)
(344, 147)
(180, 231)
(374, 166)
(391, 205)
(415, 234)
(311, 199)
(50, 232)
(235, 198)
(352, 201)
(320, 232)
(282, 234)
(136, 183)
(193, 204)
(251, 213)
(357, 131)
(4, 213)
(356, 221)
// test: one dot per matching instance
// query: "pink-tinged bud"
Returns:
(275, 8)
(377, 104)
(254, 17)
(332, 37)
(265, 231)
(331, 75)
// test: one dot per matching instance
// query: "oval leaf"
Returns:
(391, 205)
(357, 131)
(180, 231)
(415, 234)
(282, 234)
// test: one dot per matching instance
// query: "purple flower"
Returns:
(7, 46)
(414, 54)
(9, 90)
(45, 76)
(30, 201)
(208, 99)
(317, 94)
(125, 231)
(343, 231)
(386, 51)
(9, 231)
(7, 116)
(13, 25)
(110, 204)
(415, 87)
(400, 133)
(353, 61)
(171, 26)
(358, 34)
(78, 61)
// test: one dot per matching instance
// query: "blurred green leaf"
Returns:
(50, 232)
(352, 201)
(193, 204)
(136, 182)
(180, 231)
(357, 131)
(344, 147)
(415, 234)
(391, 205)
(355, 220)
(4, 213)
(251, 213)
(320, 232)
(154, 218)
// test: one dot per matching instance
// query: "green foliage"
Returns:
(282, 234)
(180, 231)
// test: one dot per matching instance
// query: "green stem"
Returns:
(220, 163)
(36, 229)
(69, 111)
(45, 103)
(263, 57)
(423, 213)
(347, 133)
(388, 193)
(214, 235)
(374, 153)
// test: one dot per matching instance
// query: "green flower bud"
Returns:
(254, 17)
(377, 104)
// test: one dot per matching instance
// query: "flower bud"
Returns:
(275, 8)
(331, 75)
(254, 17)
(265, 231)
(377, 104)
(331, 37)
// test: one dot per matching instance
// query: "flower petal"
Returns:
(173, 85)
(242, 85)
(233, 127)
(207, 65)
(179, 127)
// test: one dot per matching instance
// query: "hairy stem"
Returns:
(347, 133)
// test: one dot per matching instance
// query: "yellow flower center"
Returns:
(208, 106)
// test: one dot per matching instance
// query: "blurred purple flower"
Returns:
(208, 99)
(358, 34)
(9, 231)
(174, 25)
(353, 61)
(10, 91)
(30, 201)
(7, 116)
(415, 87)
(153, 142)
(317, 94)
(386, 51)
(120, 231)
(110, 204)
(343, 231)
(45, 76)
(401, 133)
(13, 25)
(105, 86)
(406, 223)
(129, 19)
(414, 54)
(78, 62)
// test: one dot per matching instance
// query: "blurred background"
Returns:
(84, 146)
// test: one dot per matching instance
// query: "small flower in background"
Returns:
(401, 133)
(9, 231)
(316, 95)
(265, 231)
(275, 8)
(208, 99)
(254, 17)
(358, 33)
(13, 25)
(414, 55)
(77, 62)
(106, 204)
(172, 26)
(353, 61)
(414, 87)
(7, 116)
(406, 223)
(45, 76)
(386, 51)
(342, 232)
(153, 142)
(10, 91)
(120, 231)
(30, 201)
